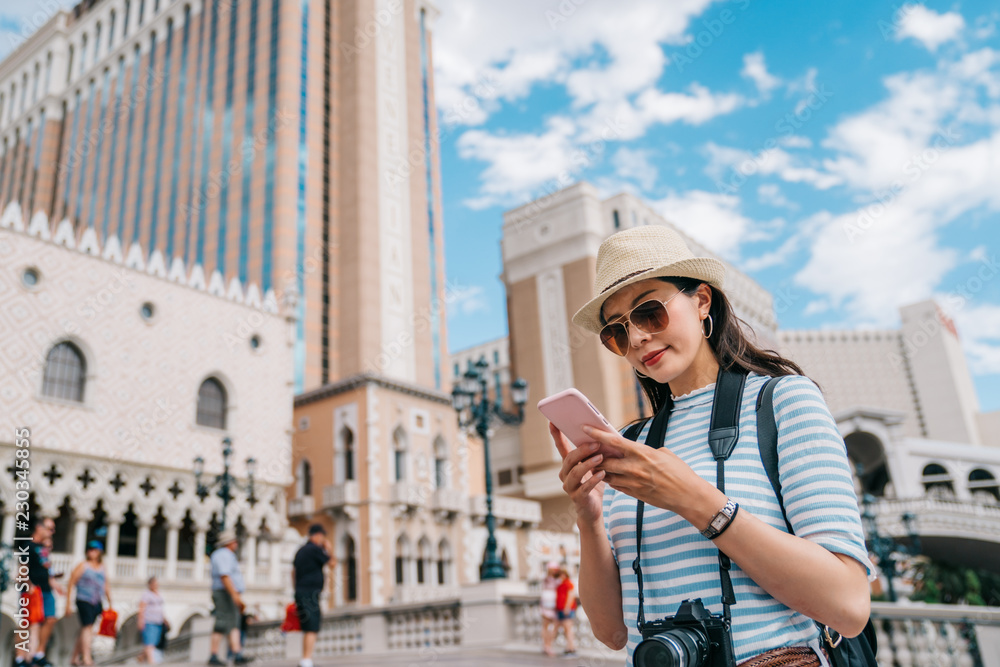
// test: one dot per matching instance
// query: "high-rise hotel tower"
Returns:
(287, 143)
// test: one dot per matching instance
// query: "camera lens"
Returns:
(677, 647)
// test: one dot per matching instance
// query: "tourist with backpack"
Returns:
(695, 549)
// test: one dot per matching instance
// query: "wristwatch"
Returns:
(721, 521)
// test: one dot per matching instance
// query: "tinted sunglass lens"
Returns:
(651, 317)
(615, 338)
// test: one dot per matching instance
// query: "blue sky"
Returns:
(846, 154)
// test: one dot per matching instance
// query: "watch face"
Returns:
(719, 521)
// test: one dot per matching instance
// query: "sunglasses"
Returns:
(648, 317)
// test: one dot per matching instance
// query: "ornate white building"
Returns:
(123, 370)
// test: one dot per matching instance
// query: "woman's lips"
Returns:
(653, 358)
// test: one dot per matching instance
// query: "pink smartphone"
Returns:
(569, 410)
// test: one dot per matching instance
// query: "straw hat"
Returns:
(640, 253)
(226, 537)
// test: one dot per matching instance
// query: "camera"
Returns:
(690, 638)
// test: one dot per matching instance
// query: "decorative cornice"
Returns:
(365, 379)
(136, 258)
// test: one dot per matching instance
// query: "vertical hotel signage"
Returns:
(395, 243)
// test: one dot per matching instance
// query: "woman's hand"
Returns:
(657, 477)
(584, 487)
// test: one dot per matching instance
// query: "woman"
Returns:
(91, 586)
(151, 619)
(548, 607)
(566, 610)
(664, 310)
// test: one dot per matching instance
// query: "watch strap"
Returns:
(721, 521)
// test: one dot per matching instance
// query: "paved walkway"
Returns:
(470, 657)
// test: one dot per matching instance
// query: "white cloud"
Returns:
(632, 164)
(522, 43)
(771, 194)
(775, 257)
(710, 218)
(519, 163)
(468, 300)
(979, 329)
(755, 70)
(927, 26)
(731, 167)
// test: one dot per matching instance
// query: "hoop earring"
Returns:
(711, 327)
(638, 374)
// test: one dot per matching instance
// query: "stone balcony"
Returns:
(515, 512)
(343, 497)
(408, 496)
(304, 506)
(449, 501)
(950, 528)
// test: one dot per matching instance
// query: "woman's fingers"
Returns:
(574, 456)
(561, 444)
(592, 483)
(574, 477)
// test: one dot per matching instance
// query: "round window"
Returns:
(255, 342)
(147, 311)
(30, 277)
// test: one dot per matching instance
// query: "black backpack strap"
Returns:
(767, 441)
(851, 652)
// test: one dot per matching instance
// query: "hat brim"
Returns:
(706, 269)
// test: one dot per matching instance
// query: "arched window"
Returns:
(444, 563)
(69, 69)
(424, 560)
(983, 484)
(350, 570)
(128, 8)
(83, 53)
(399, 446)
(111, 30)
(304, 479)
(347, 445)
(440, 463)
(402, 560)
(212, 404)
(937, 480)
(97, 41)
(65, 373)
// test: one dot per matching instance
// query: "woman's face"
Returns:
(665, 355)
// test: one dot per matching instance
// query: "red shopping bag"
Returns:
(35, 605)
(109, 618)
(291, 623)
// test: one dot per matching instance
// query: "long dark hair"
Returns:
(729, 341)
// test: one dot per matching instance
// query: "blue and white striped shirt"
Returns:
(678, 563)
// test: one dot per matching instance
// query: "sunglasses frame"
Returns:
(626, 319)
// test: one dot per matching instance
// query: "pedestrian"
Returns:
(550, 616)
(91, 583)
(566, 610)
(40, 598)
(151, 619)
(307, 578)
(227, 595)
(701, 514)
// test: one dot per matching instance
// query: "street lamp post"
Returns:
(471, 401)
(887, 550)
(226, 482)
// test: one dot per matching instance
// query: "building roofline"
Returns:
(364, 379)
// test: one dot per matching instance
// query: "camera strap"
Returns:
(722, 436)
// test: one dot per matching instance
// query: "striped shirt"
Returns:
(678, 563)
